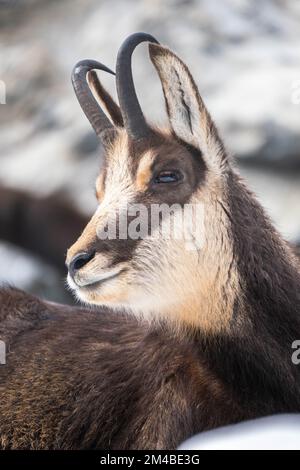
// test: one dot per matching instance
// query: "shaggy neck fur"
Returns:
(253, 356)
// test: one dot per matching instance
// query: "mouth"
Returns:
(97, 281)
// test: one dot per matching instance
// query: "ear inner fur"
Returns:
(188, 116)
(111, 107)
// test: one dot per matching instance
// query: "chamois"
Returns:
(179, 340)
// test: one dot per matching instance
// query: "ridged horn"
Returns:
(98, 119)
(133, 117)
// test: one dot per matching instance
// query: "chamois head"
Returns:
(191, 279)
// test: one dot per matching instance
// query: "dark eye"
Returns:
(168, 177)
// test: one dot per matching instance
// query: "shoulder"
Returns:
(18, 311)
(21, 312)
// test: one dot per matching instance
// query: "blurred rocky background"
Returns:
(244, 55)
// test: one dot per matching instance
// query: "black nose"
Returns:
(80, 260)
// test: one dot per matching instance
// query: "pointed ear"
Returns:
(188, 116)
(106, 101)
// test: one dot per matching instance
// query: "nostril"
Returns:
(79, 261)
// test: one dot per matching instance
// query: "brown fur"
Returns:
(96, 380)
(183, 341)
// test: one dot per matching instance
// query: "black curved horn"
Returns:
(133, 117)
(89, 105)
